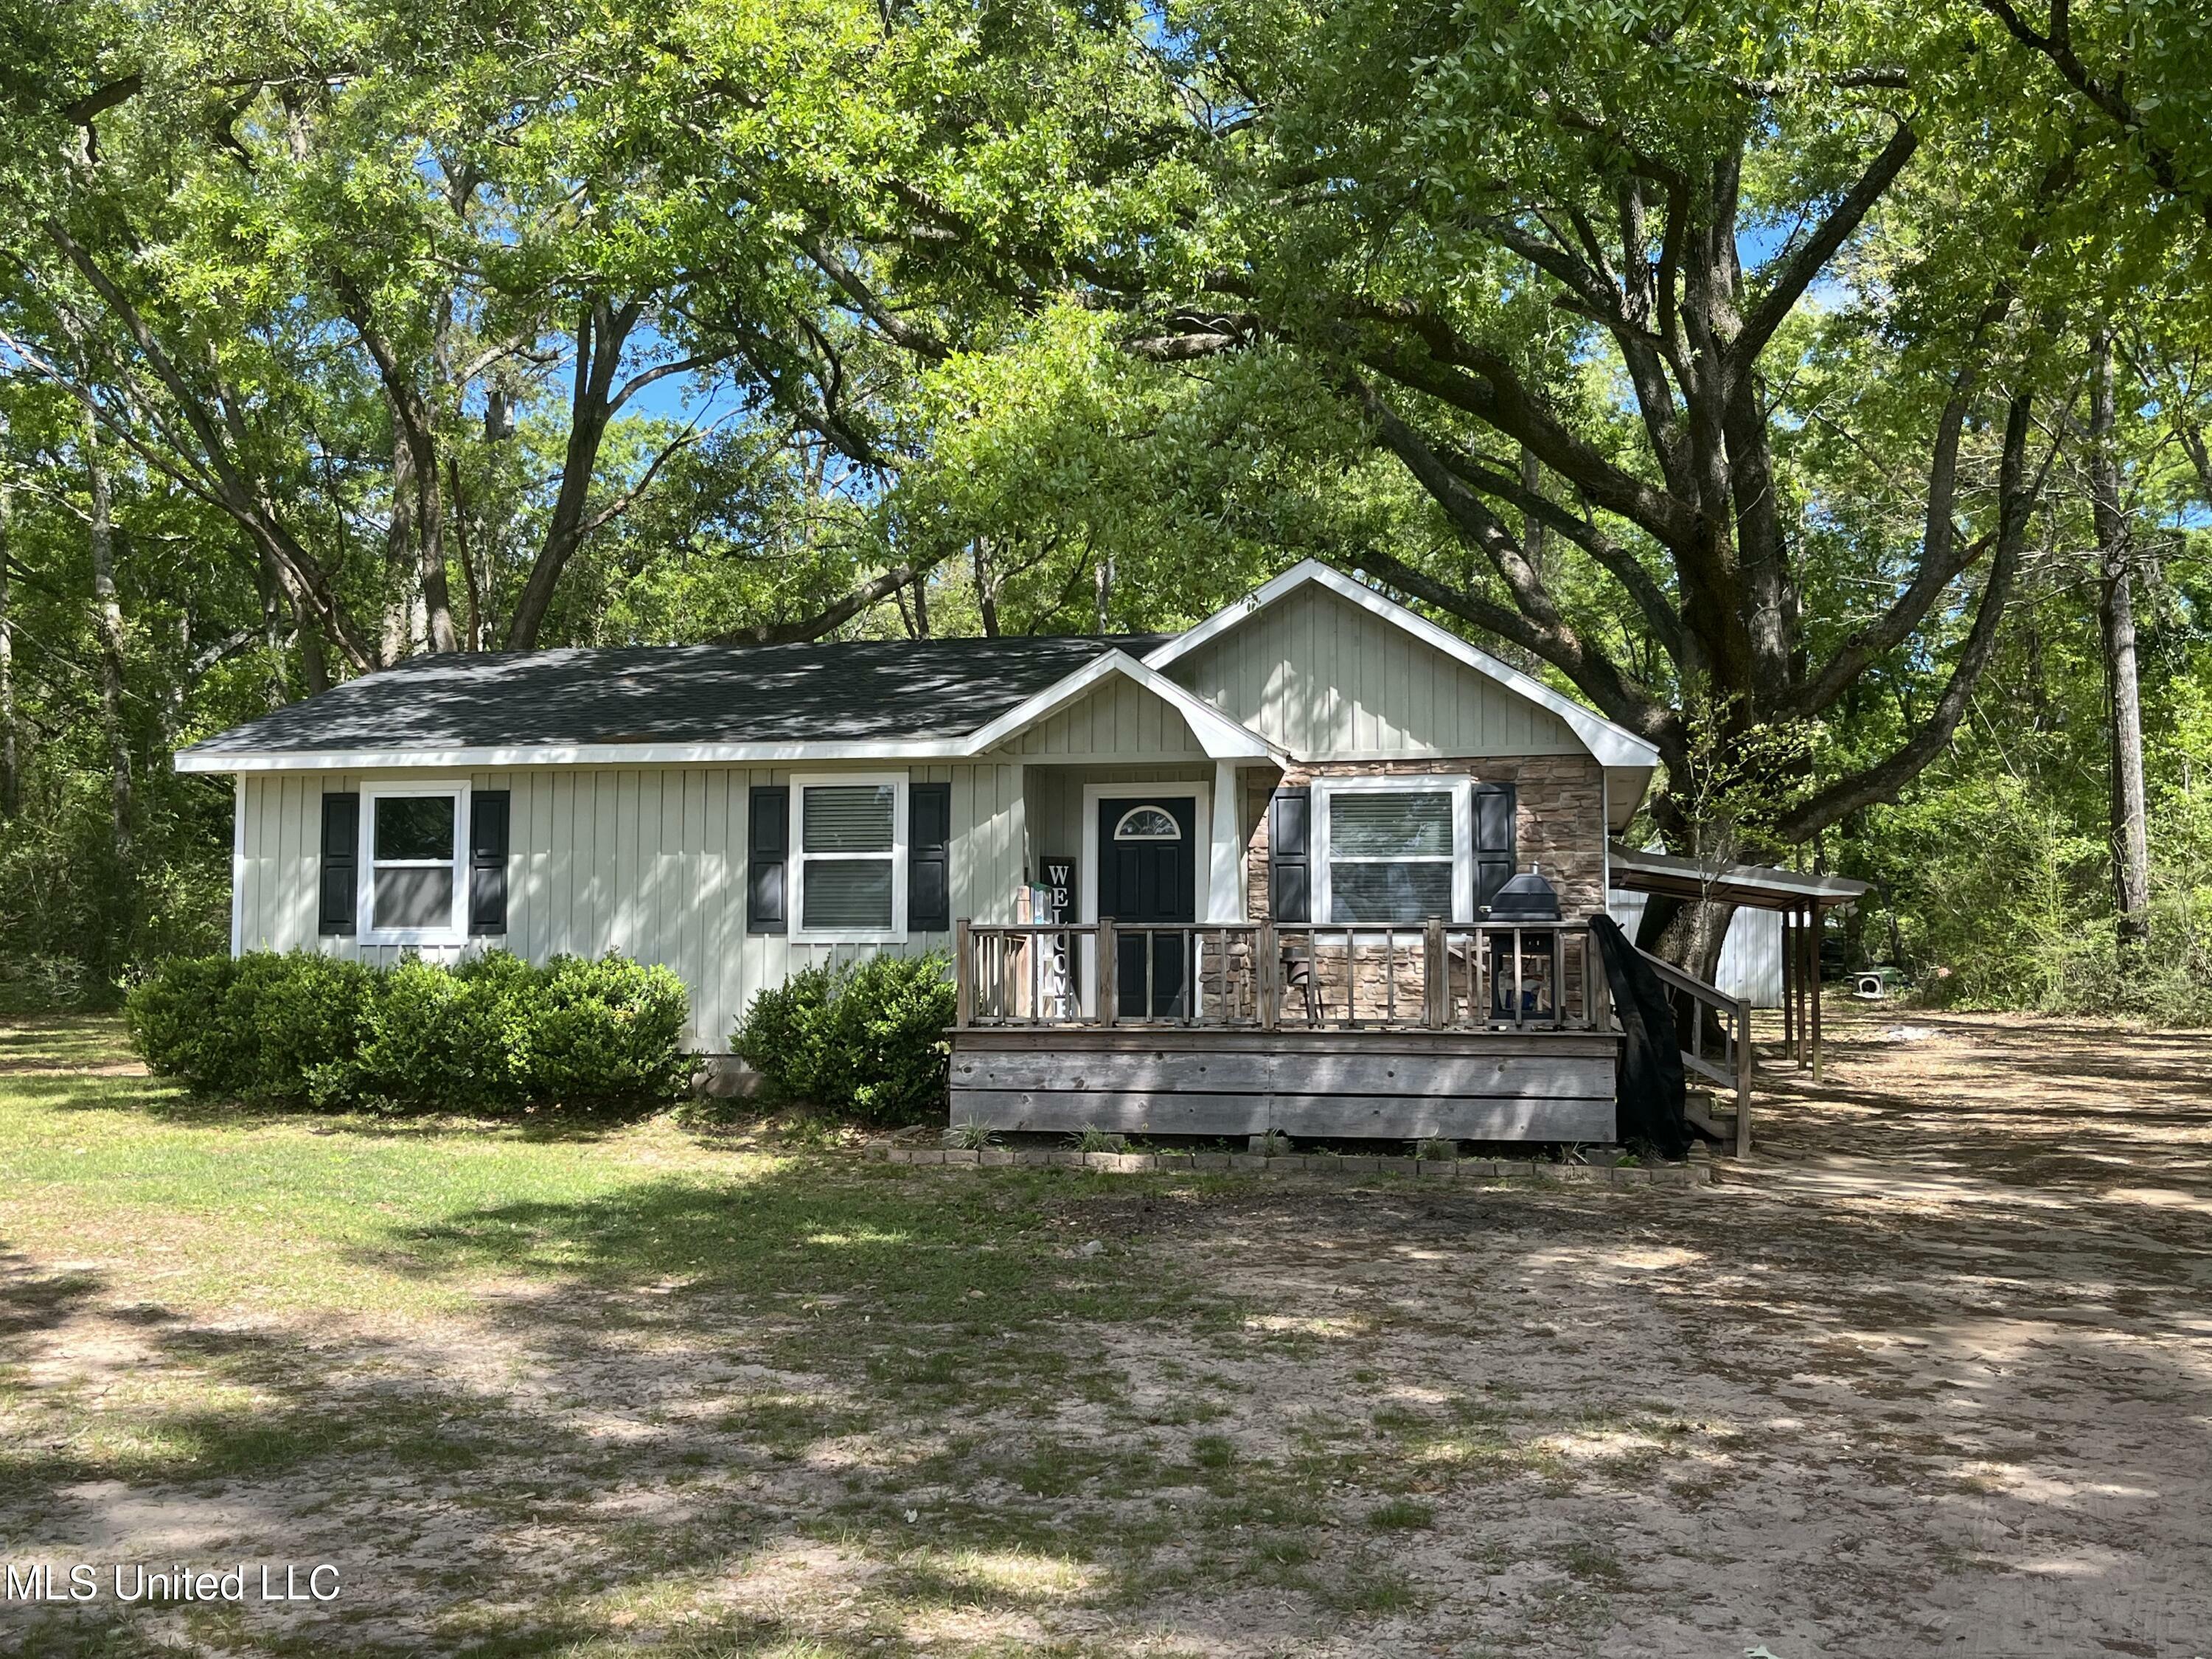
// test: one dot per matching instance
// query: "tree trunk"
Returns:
(107, 621)
(602, 330)
(11, 788)
(398, 544)
(987, 588)
(2130, 839)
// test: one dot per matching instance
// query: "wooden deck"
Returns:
(1470, 1033)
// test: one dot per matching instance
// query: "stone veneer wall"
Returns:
(1558, 817)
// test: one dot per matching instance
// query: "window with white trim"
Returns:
(414, 881)
(849, 857)
(1390, 853)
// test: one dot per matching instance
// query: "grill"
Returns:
(1527, 898)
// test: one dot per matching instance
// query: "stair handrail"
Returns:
(1733, 1070)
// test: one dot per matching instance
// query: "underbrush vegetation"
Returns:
(492, 1034)
(866, 1040)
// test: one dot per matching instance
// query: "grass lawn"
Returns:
(572, 1389)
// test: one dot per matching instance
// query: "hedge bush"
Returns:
(868, 1040)
(493, 1034)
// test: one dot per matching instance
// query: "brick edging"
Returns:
(1699, 1172)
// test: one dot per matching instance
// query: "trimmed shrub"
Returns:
(868, 1040)
(601, 1030)
(492, 1034)
(257, 1027)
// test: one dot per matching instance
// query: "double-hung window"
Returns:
(849, 843)
(1388, 850)
(414, 868)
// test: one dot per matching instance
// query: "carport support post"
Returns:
(1743, 1058)
(1815, 977)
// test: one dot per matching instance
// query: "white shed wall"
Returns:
(1751, 955)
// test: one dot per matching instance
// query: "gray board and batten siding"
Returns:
(1328, 680)
(650, 861)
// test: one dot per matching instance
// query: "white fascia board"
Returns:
(581, 754)
(1221, 738)
(1610, 745)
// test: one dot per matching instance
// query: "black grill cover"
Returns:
(1650, 1096)
(1527, 898)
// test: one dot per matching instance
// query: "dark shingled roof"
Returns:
(841, 691)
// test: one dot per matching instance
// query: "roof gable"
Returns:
(1211, 732)
(1580, 729)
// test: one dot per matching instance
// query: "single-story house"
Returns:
(1248, 875)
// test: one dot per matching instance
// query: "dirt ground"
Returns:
(1931, 1375)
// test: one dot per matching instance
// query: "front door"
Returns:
(1148, 875)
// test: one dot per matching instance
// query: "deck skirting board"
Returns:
(1572, 1076)
(1392, 1117)
(1388, 1085)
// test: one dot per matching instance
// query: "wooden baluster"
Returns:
(1520, 994)
(1389, 976)
(1436, 971)
(1107, 990)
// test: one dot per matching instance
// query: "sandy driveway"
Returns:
(1945, 1347)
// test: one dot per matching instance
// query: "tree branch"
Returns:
(1812, 256)
(2016, 499)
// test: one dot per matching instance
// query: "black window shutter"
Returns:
(1290, 863)
(1493, 842)
(929, 854)
(341, 865)
(488, 815)
(768, 844)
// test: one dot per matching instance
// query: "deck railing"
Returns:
(1281, 977)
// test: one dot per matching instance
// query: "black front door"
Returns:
(1148, 875)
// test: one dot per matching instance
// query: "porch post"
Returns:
(964, 981)
(1224, 887)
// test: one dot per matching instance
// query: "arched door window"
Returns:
(1148, 823)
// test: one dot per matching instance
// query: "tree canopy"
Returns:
(1735, 369)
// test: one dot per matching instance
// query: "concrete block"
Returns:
(725, 1077)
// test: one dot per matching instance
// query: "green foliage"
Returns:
(868, 1039)
(492, 1034)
